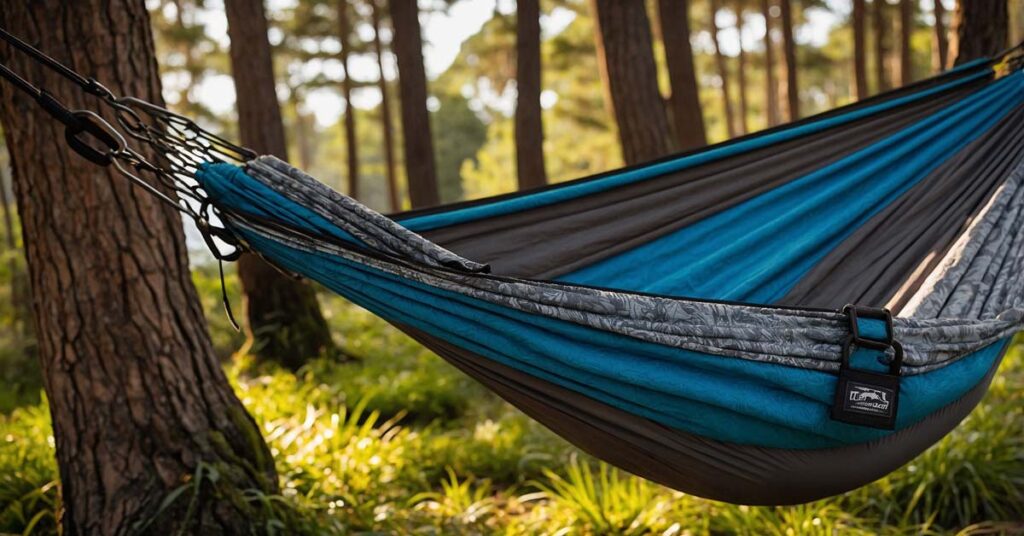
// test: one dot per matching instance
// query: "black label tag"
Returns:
(867, 399)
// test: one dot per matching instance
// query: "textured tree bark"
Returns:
(385, 111)
(684, 103)
(723, 71)
(982, 29)
(137, 396)
(771, 84)
(940, 44)
(623, 36)
(860, 63)
(351, 143)
(741, 75)
(881, 26)
(789, 54)
(906, 31)
(529, 126)
(285, 323)
(407, 44)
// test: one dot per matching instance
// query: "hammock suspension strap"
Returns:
(868, 397)
(179, 145)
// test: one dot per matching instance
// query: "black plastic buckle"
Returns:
(856, 312)
(88, 125)
(863, 397)
(895, 365)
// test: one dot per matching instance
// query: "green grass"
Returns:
(396, 441)
(29, 497)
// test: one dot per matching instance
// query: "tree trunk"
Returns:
(880, 23)
(623, 38)
(789, 54)
(21, 299)
(1016, 34)
(385, 111)
(684, 103)
(723, 72)
(940, 45)
(5, 201)
(303, 131)
(407, 44)
(982, 29)
(351, 144)
(529, 126)
(906, 31)
(771, 84)
(741, 76)
(860, 67)
(9, 240)
(138, 399)
(188, 53)
(285, 323)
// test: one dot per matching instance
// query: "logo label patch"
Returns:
(869, 399)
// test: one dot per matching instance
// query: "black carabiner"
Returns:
(87, 125)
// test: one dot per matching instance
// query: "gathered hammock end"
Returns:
(775, 319)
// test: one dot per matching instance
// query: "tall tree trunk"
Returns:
(20, 297)
(1016, 34)
(982, 29)
(881, 26)
(138, 399)
(723, 72)
(385, 111)
(529, 127)
(771, 84)
(9, 239)
(407, 44)
(623, 37)
(188, 53)
(741, 76)
(940, 44)
(351, 143)
(860, 66)
(906, 31)
(285, 323)
(303, 131)
(684, 104)
(789, 54)
(831, 94)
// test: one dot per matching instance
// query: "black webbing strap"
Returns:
(79, 125)
(89, 85)
(181, 146)
(868, 397)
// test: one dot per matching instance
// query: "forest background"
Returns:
(372, 433)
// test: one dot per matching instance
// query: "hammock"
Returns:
(687, 320)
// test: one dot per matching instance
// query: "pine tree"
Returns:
(285, 322)
(140, 406)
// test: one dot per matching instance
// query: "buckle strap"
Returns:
(864, 397)
(864, 326)
(871, 328)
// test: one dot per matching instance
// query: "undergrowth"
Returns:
(395, 441)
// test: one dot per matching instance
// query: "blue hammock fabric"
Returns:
(685, 319)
